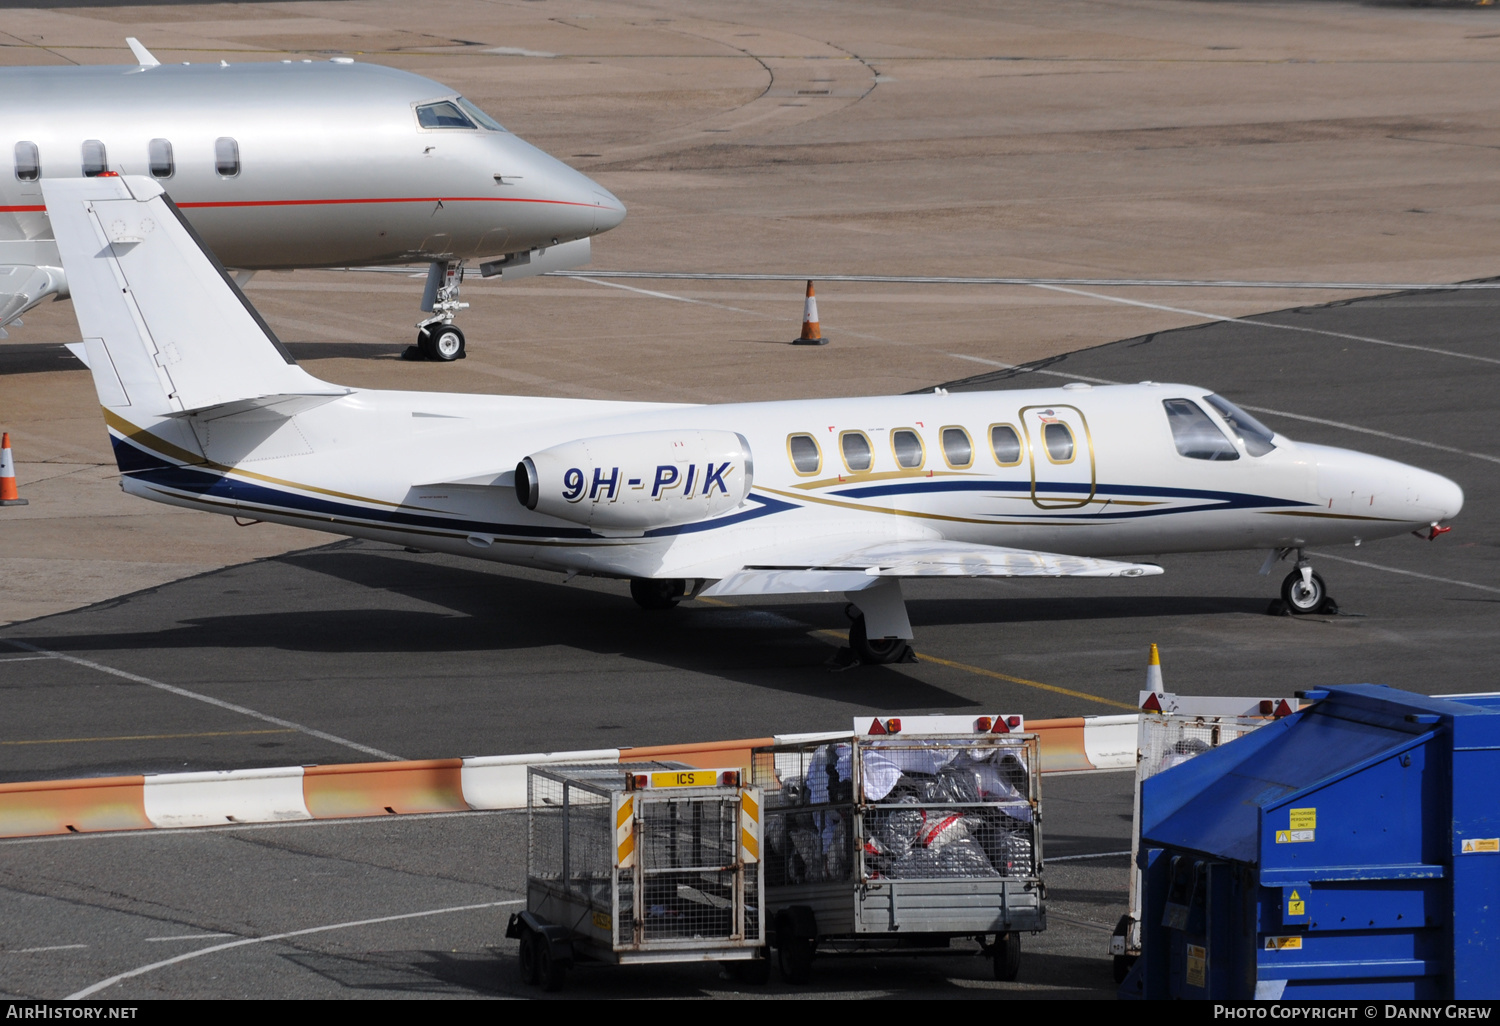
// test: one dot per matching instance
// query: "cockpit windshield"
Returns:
(484, 120)
(443, 114)
(1254, 435)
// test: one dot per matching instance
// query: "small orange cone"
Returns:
(8, 494)
(811, 336)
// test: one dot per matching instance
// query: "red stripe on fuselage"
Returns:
(19, 210)
(394, 199)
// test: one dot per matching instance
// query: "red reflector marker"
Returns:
(730, 778)
(1282, 709)
(1151, 704)
(876, 728)
(1267, 707)
(1013, 721)
(1001, 727)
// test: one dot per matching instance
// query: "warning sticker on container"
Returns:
(1472, 845)
(1293, 943)
(1293, 836)
(1197, 961)
(1296, 905)
(1304, 819)
(604, 921)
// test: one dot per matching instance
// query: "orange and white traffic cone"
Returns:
(811, 336)
(8, 494)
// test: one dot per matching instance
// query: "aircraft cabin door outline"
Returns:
(1062, 456)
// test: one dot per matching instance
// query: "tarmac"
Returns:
(992, 151)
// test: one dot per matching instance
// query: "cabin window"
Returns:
(1058, 438)
(95, 162)
(159, 158)
(807, 458)
(226, 157)
(28, 163)
(858, 456)
(1254, 435)
(1005, 443)
(483, 119)
(1197, 437)
(443, 114)
(958, 450)
(906, 445)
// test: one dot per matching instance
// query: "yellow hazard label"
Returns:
(1479, 844)
(1295, 905)
(604, 921)
(1293, 943)
(1197, 963)
(1304, 819)
(685, 778)
(1293, 836)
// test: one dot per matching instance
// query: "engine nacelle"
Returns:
(638, 481)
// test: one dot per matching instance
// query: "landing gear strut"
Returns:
(437, 338)
(1303, 592)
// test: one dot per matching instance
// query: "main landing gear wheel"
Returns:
(878, 650)
(1304, 597)
(441, 342)
(657, 594)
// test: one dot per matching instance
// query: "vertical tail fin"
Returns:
(167, 333)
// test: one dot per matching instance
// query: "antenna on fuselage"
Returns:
(143, 56)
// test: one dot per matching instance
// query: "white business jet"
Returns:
(282, 164)
(206, 411)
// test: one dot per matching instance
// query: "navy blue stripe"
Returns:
(1225, 500)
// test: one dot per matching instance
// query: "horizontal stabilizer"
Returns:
(285, 404)
(862, 568)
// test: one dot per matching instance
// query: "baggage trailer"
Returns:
(901, 837)
(640, 862)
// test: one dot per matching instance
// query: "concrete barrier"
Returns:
(284, 794)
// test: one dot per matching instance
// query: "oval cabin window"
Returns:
(807, 458)
(28, 163)
(957, 449)
(95, 161)
(1005, 443)
(858, 456)
(226, 157)
(1058, 438)
(159, 158)
(906, 445)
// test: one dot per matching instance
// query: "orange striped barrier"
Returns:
(73, 806)
(384, 788)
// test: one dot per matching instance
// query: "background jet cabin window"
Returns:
(957, 449)
(28, 162)
(858, 456)
(1005, 443)
(807, 458)
(95, 161)
(226, 157)
(1197, 437)
(906, 444)
(159, 158)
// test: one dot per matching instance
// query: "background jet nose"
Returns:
(1434, 495)
(608, 211)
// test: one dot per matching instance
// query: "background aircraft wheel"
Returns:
(441, 342)
(1007, 956)
(881, 650)
(657, 594)
(1299, 597)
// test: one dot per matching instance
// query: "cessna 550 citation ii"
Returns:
(206, 411)
(295, 164)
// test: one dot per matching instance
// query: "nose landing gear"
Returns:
(437, 338)
(1303, 591)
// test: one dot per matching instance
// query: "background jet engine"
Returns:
(635, 482)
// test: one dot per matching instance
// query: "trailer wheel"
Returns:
(794, 957)
(1007, 956)
(550, 972)
(530, 942)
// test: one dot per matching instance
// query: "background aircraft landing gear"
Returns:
(442, 342)
(437, 338)
(657, 594)
(1304, 593)
(879, 650)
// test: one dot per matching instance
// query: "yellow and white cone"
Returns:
(1153, 672)
(811, 334)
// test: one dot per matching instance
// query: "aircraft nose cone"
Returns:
(608, 211)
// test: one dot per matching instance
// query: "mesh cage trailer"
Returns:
(903, 841)
(646, 862)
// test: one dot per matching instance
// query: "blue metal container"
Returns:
(1351, 850)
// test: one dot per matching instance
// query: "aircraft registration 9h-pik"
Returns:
(206, 410)
(295, 164)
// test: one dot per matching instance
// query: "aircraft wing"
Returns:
(862, 568)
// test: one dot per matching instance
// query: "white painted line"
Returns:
(22, 659)
(188, 936)
(1267, 324)
(664, 295)
(1253, 409)
(1404, 573)
(1094, 855)
(55, 947)
(917, 279)
(185, 693)
(142, 970)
